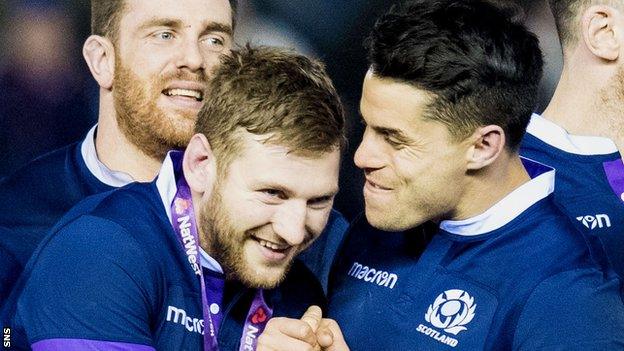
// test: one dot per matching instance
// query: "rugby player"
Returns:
(446, 101)
(152, 60)
(204, 255)
(581, 132)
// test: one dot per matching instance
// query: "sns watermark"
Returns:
(6, 337)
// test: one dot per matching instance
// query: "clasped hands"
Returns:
(310, 333)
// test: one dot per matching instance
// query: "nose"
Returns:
(190, 56)
(368, 154)
(289, 222)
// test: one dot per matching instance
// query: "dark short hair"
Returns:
(106, 15)
(480, 67)
(275, 92)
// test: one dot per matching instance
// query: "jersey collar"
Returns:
(97, 168)
(166, 185)
(541, 185)
(554, 135)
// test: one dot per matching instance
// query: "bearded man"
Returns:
(152, 60)
(205, 254)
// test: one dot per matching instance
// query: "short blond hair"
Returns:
(275, 92)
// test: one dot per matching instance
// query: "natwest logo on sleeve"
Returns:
(451, 311)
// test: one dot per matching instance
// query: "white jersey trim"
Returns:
(555, 136)
(508, 208)
(166, 185)
(98, 169)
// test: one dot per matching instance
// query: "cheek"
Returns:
(409, 170)
(249, 213)
(317, 220)
(212, 59)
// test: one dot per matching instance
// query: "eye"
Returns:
(274, 194)
(391, 139)
(214, 42)
(164, 35)
(320, 202)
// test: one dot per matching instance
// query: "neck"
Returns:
(116, 152)
(588, 106)
(488, 186)
(204, 240)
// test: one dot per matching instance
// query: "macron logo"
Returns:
(178, 316)
(591, 222)
(372, 275)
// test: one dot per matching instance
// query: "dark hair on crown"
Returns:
(481, 67)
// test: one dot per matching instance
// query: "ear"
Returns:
(199, 165)
(601, 34)
(487, 144)
(100, 56)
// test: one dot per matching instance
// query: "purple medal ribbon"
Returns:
(615, 175)
(257, 319)
(185, 225)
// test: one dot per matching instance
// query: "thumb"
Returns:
(313, 316)
(331, 338)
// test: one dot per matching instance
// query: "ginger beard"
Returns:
(151, 129)
(227, 243)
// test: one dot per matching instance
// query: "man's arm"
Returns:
(89, 288)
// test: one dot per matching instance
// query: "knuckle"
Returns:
(305, 331)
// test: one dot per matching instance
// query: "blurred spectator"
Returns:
(46, 101)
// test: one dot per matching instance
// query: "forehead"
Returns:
(190, 12)
(387, 103)
(264, 164)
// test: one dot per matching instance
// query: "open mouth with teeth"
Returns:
(185, 93)
(273, 246)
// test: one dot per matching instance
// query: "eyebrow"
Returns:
(175, 23)
(218, 27)
(396, 133)
(390, 131)
(290, 193)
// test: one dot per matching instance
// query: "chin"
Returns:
(390, 221)
(264, 278)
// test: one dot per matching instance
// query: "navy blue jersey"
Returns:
(517, 277)
(36, 196)
(587, 185)
(112, 273)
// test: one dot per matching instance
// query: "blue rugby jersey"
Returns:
(112, 273)
(586, 181)
(36, 196)
(517, 277)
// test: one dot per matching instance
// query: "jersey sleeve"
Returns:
(91, 283)
(573, 310)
